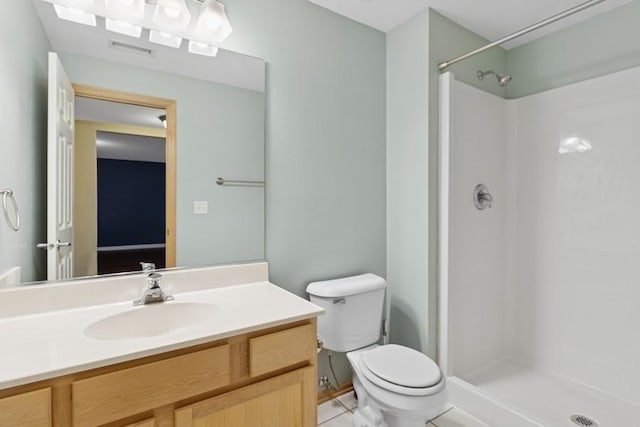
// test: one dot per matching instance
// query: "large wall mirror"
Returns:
(120, 179)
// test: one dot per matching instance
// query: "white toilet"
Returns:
(396, 386)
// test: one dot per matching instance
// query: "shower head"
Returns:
(503, 78)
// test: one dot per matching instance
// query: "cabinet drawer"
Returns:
(278, 350)
(26, 410)
(105, 398)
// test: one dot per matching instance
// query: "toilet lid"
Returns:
(402, 366)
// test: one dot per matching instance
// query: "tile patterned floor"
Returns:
(339, 413)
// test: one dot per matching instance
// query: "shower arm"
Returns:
(442, 67)
(483, 74)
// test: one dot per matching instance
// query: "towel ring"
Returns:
(8, 195)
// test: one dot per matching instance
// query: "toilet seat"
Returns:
(401, 370)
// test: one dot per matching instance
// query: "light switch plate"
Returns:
(201, 208)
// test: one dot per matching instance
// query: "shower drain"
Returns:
(583, 421)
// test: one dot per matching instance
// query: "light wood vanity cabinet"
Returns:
(146, 423)
(32, 409)
(261, 379)
(277, 402)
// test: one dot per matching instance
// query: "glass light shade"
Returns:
(125, 8)
(75, 15)
(122, 27)
(165, 39)
(171, 15)
(85, 5)
(202, 48)
(213, 25)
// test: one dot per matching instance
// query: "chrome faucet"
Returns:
(147, 266)
(153, 293)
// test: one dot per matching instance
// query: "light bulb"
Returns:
(212, 26)
(213, 22)
(171, 16)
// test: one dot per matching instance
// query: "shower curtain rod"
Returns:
(586, 5)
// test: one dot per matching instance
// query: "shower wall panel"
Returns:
(577, 291)
(478, 252)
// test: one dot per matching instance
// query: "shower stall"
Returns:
(540, 289)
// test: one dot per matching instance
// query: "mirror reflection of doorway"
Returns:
(131, 201)
(120, 188)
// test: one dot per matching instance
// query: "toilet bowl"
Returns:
(396, 386)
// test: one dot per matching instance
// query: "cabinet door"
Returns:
(26, 410)
(288, 400)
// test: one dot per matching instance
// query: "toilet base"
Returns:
(368, 414)
(376, 411)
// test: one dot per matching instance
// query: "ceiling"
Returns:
(491, 19)
(228, 67)
(96, 110)
(120, 146)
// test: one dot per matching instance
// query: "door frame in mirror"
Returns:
(169, 105)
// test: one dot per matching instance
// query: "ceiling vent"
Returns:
(126, 47)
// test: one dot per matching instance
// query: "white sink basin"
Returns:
(151, 321)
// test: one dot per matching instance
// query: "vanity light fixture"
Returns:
(125, 8)
(168, 21)
(75, 11)
(172, 15)
(202, 49)
(123, 27)
(166, 39)
(213, 25)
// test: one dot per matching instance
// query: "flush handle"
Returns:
(340, 301)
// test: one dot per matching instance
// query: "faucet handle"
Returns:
(482, 198)
(147, 266)
(154, 280)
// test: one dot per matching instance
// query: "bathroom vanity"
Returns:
(236, 354)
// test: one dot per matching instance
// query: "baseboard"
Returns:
(327, 395)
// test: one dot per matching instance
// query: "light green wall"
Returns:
(414, 50)
(407, 182)
(325, 141)
(601, 45)
(220, 132)
(23, 108)
(325, 138)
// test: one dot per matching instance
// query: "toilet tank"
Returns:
(353, 311)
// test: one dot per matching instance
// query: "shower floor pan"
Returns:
(543, 399)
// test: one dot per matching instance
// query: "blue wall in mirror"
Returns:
(131, 202)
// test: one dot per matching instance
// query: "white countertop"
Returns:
(51, 344)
